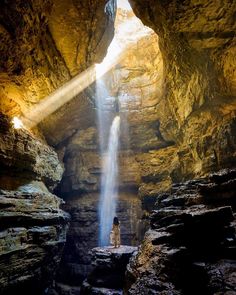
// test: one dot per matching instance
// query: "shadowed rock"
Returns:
(109, 266)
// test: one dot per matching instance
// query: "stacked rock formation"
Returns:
(108, 274)
(191, 246)
(32, 225)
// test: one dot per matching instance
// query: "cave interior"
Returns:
(117, 108)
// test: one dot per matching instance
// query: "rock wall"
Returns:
(197, 105)
(33, 227)
(176, 122)
(24, 158)
(43, 45)
(190, 247)
(81, 181)
(83, 235)
(181, 121)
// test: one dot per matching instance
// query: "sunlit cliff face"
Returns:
(129, 29)
(195, 76)
(48, 47)
(133, 53)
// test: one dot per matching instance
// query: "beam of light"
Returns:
(17, 123)
(59, 97)
(116, 52)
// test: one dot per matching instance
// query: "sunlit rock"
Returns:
(22, 151)
(173, 85)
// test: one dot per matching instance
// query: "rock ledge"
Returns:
(108, 274)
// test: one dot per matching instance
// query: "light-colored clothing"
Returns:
(115, 235)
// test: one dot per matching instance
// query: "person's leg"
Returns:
(116, 241)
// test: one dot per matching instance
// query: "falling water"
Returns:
(102, 95)
(108, 198)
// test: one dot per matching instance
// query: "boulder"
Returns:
(108, 273)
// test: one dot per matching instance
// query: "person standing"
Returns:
(115, 233)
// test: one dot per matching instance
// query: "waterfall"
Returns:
(102, 94)
(109, 190)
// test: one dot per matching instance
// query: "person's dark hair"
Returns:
(116, 221)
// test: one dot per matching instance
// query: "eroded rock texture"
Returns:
(33, 233)
(32, 225)
(24, 158)
(190, 248)
(80, 187)
(180, 125)
(197, 110)
(43, 45)
(108, 270)
(177, 121)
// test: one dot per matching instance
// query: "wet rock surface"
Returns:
(172, 136)
(190, 247)
(108, 273)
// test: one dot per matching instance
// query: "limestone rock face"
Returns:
(190, 248)
(80, 188)
(83, 164)
(136, 82)
(33, 233)
(24, 154)
(31, 66)
(44, 44)
(178, 117)
(33, 227)
(84, 31)
(176, 92)
(197, 109)
(176, 123)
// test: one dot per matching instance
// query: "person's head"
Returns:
(116, 221)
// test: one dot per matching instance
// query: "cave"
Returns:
(117, 108)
